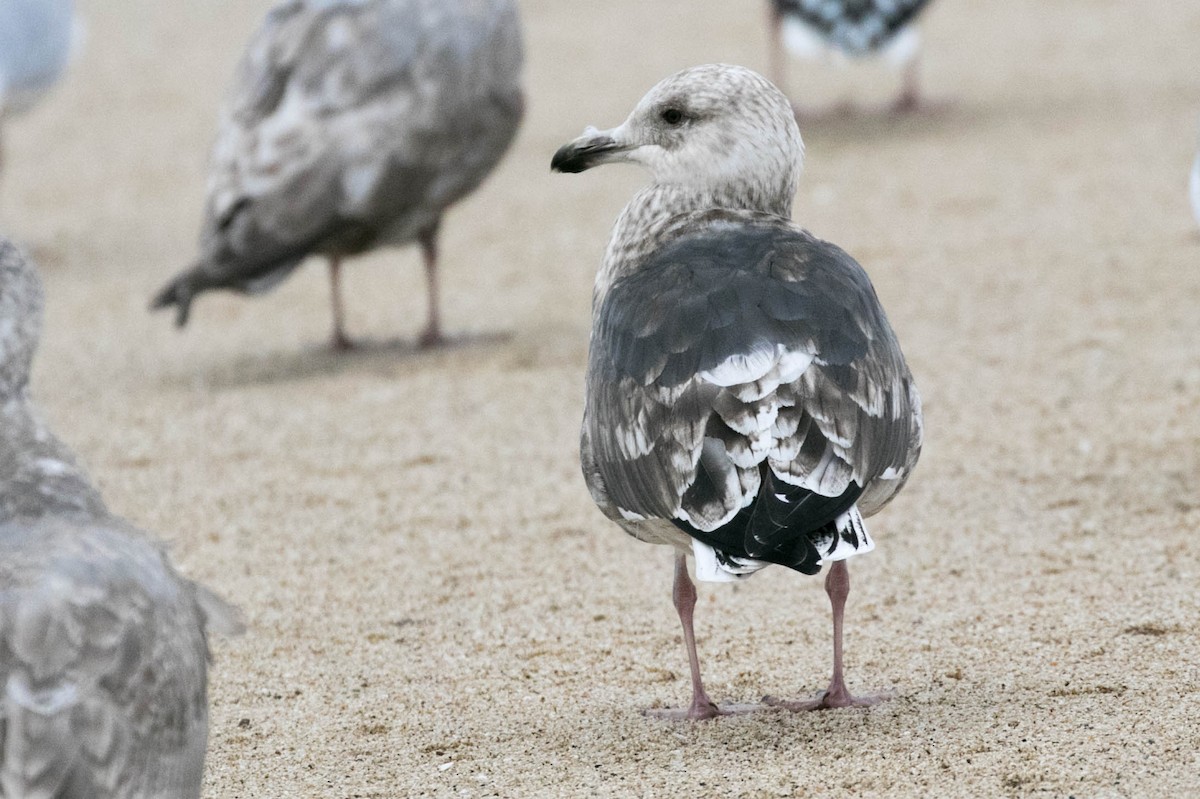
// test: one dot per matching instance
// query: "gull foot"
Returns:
(430, 338)
(342, 343)
(702, 711)
(827, 700)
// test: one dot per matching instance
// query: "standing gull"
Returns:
(747, 401)
(825, 30)
(36, 40)
(103, 651)
(352, 125)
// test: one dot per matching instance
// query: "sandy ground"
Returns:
(435, 606)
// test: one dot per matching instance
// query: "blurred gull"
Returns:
(746, 400)
(103, 652)
(36, 41)
(351, 125)
(835, 30)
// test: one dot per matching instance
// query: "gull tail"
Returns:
(179, 293)
(844, 538)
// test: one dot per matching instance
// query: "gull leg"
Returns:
(909, 99)
(775, 54)
(339, 341)
(684, 594)
(432, 335)
(837, 586)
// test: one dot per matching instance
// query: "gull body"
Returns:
(747, 402)
(840, 31)
(103, 645)
(37, 38)
(36, 41)
(353, 125)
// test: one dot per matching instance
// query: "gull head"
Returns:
(20, 319)
(715, 128)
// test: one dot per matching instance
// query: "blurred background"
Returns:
(426, 579)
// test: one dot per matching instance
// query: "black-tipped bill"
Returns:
(585, 153)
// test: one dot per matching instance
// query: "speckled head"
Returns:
(720, 128)
(20, 318)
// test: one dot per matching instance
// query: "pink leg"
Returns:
(339, 340)
(432, 335)
(909, 99)
(775, 55)
(837, 586)
(684, 595)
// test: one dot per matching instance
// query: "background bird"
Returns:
(37, 38)
(351, 125)
(828, 30)
(747, 401)
(103, 650)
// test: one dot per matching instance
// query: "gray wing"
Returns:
(742, 372)
(856, 26)
(350, 124)
(103, 662)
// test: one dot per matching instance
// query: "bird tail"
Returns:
(179, 292)
(844, 538)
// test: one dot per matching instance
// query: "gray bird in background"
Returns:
(103, 649)
(352, 125)
(841, 30)
(37, 38)
(746, 399)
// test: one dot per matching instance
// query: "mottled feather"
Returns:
(103, 653)
(741, 364)
(352, 124)
(746, 396)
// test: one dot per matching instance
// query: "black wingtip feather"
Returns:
(781, 526)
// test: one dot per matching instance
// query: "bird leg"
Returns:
(684, 594)
(339, 341)
(776, 63)
(837, 586)
(909, 99)
(432, 335)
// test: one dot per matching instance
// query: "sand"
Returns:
(435, 606)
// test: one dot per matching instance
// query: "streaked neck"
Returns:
(657, 213)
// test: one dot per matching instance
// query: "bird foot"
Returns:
(827, 700)
(340, 342)
(701, 711)
(911, 104)
(431, 337)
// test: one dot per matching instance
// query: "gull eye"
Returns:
(672, 116)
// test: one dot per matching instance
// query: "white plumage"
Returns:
(843, 31)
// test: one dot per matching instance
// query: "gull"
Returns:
(353, 125)
(103, 645)
(746, 399)
(37, 38)
(838, 30)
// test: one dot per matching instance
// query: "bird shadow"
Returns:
(943, 116)
(380, 356)
(847, 121)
